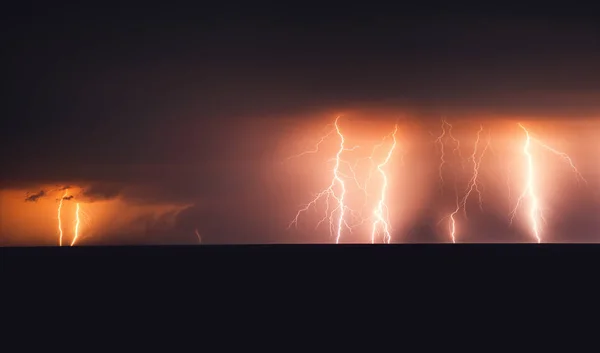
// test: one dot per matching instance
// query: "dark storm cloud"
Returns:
(67, 198)
(188, 108)
(36, 196)
(42, 193)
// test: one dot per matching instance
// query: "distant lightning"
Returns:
(77, 222)
(473, 184)
(381, 220)
(317, 146)
(536, 216)
(452, 223)
(60, 229)
(440, 141)
(474, 181)
(198, 235)
(78, 217)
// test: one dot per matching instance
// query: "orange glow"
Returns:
(363, 195)
(35, 223)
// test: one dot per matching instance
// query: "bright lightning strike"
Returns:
(452, 225)
(337, 216)
(381, 220)
(335, 226)
(535, 212)
(77, 222)
(336, 174)
(534, 207)
(60, 229)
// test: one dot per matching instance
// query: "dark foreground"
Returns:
(299, 262)
(497, 283)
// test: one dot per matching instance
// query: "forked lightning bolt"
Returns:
(530, 190)
(338, 189)
(473, 184)
(318, 145)
(474, 181)
(563, 156)
(381, 214)
(363, 187)
(335, 225)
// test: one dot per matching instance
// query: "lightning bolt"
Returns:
(317, 146)
(77, 222)
(60, 229)
(564, 156)
(372, 167)
(535, 213)
(474, 181)
(440, 141)
(198, 235)
(452, 223)
(472, 185)
(529, 191)
(380, 220)
(335, 226)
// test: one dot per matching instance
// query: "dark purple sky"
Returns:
(194, 101)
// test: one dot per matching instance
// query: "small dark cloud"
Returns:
(68, 197)
(36, 196)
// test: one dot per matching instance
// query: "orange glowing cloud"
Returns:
(81, 222)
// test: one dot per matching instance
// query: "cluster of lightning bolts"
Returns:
(337, 216)
(77, 222)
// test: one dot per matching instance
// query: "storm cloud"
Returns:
(196, 109)
(36, 196)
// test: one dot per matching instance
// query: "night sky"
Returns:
(181, 118)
